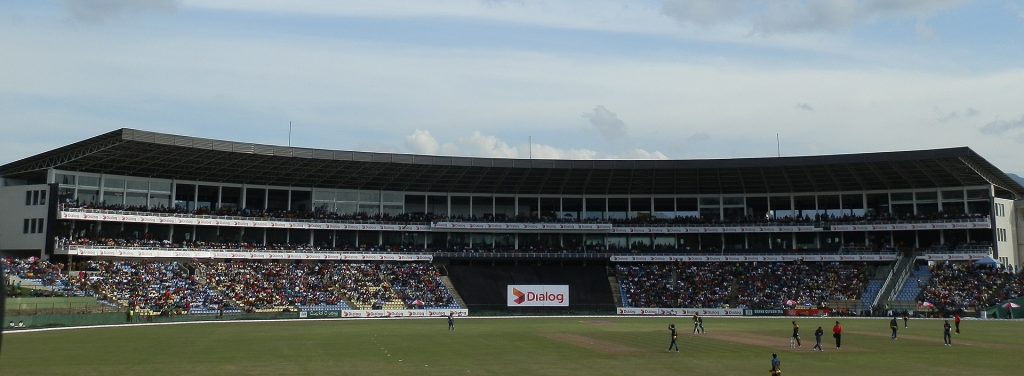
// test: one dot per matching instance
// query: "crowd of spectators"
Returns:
(758, 285)
(38, 270)
(959, 286)
(171, 286)
(319, 214)
(154, 286)
(671, 285)
(766, 285)
(262, 285)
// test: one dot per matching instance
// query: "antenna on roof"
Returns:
(778, 145)
(289, 133)
(530, 141)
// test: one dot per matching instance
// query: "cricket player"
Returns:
(817, 339)
(776, 365)
(947, 337)
(672, 330)
(794, 341)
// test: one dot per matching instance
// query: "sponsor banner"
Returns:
(952, 256)
(141, 218)
(763, 312)
(710, 229)
(754, 258)
(680, 311)
(331, 314)
(136, 217)
(239, 254)
(470, 226)
(808, 312)
(538, 296)
(914, 226)
(368, 313)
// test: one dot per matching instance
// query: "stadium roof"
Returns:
(148, 154)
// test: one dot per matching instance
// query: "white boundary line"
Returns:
(257, 321)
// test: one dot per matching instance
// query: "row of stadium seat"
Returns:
(762, 285)
(205, 286)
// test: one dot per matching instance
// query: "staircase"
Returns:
(874, 286)
(451, 289)
(613, 283)
(894, 280)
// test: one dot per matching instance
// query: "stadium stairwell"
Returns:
(874, 286)
(451, 288)
(616, 291)
(900, 271)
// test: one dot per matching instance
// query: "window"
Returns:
(24, 229)
(88, 181)
(35, 197)
(32, 226)
(138, 185)
(42, 197)
(65, 179)
(28, 198)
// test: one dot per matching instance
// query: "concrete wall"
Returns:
(1018, 211)
(1005, 215)
(14, 212)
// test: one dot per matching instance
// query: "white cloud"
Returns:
(541, 151)
(967, 113)
(797, 16)
(606, 123)
(421, 142)
(999, 127)
(482, 145)
(703, 12)
(98, 11)
(644, 154)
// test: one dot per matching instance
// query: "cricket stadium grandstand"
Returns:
(158, 224)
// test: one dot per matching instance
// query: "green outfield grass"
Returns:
(522, 346)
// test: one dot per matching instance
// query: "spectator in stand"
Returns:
(764, 285)
(956, 287)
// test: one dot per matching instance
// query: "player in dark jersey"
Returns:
(451, 321)
(696, 324)
(794, 341)
(947, 337)
(894, 326)
(672, 330)
(700, 324)
(817, 339)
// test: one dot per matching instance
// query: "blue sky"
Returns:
(584, 79)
